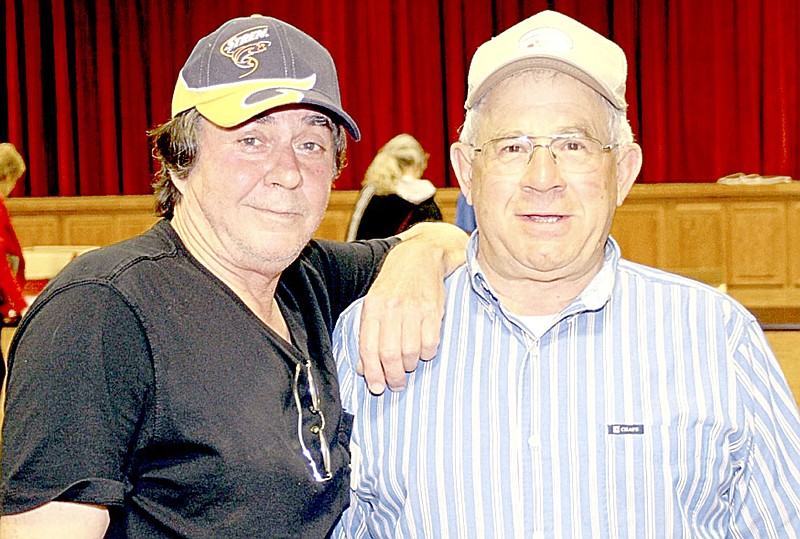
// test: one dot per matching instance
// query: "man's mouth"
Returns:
(277, 210)
(544, 218)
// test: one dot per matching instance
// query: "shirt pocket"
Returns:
(658, 478)
(627, 473)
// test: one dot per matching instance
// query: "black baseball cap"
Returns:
(253, 64)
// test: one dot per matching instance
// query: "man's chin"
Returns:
(281, 250)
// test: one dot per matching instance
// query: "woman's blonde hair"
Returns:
(391, 161)
(12, 167)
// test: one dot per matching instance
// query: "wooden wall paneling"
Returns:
(334, 225)
(33, 229)
(100, 220)
(758, 244)
(699, 245)
(104, 228)
(337, 218)
(794, 245)
(640, 230)
(786, 345)
(446, 200)
(81, 229)
(132, 224)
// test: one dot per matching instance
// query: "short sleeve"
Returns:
(80, 378)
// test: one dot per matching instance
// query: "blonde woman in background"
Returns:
(394, 196)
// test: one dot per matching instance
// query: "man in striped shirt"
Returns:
(575, 394)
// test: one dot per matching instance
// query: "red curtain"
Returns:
(713, 85)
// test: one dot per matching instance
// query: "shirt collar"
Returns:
(596, 294)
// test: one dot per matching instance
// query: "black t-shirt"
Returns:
(139, 381)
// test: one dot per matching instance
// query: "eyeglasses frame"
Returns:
(319, 430)
(605, 148)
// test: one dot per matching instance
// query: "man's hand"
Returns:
(403, 310)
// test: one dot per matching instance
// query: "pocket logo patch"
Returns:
(625, 429)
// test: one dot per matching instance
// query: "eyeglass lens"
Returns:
(511, 155)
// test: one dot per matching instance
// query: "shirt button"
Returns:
(538, 535)
(534, 442)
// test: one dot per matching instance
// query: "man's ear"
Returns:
(629, 163)
(180, 184)
(462, 165)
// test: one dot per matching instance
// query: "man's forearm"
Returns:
(446, 243)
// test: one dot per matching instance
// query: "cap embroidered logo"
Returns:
(242, 47)
(545, 39)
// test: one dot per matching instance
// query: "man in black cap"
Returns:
(181, 383)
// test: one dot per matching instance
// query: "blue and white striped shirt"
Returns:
(653, 407)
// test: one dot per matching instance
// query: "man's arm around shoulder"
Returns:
(403, 309)
(62, 520)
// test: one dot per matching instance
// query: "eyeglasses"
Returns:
(572, 153)
(317, 429)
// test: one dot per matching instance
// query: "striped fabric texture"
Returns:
(652, 407)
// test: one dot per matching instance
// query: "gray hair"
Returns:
(616, 120)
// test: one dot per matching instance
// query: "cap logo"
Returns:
(548, 39)
(243, 47)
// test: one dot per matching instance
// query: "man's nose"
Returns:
(285, 170)
(542, 172)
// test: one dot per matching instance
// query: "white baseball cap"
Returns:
(554, 41)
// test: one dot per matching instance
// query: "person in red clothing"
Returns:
(12, 273)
